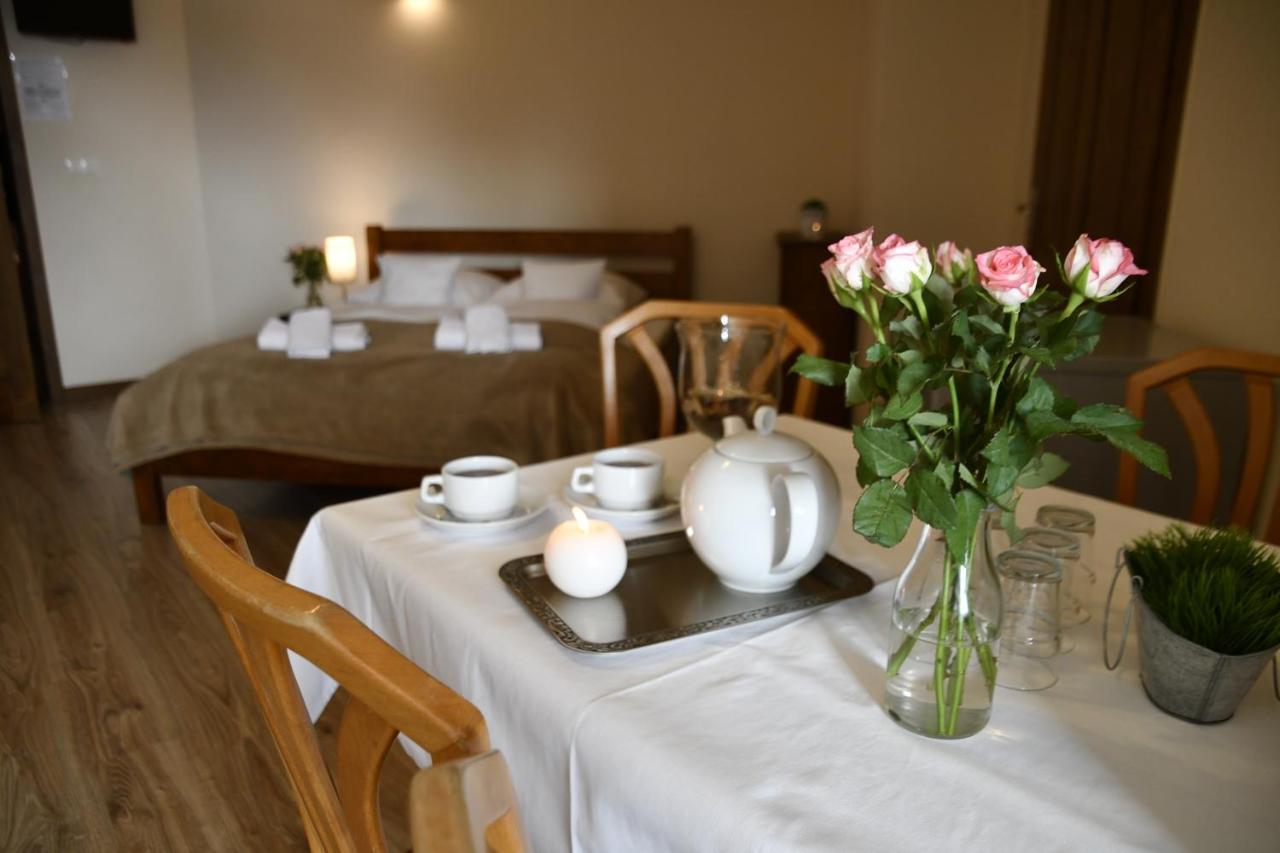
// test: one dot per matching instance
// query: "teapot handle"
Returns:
(801, 495)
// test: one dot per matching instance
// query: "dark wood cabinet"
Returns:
(803, 290)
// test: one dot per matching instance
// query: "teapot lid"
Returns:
(762, 444)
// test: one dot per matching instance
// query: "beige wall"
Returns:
(124, 247)
(950, 119)
(319, 117)
(1217, 282)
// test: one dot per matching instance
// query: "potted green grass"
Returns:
(1208, 618)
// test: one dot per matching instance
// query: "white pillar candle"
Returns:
(585, 558)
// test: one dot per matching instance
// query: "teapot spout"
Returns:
(734, 425)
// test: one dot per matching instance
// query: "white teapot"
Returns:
(760, 507)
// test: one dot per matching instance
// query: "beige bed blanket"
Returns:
(399, 402)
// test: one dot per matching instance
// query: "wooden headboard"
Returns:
(659, 261)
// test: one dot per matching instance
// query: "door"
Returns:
(1114, 81)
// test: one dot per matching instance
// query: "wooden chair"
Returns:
(389, 693)
(465, 806)
(1172, 375)
(631, 325)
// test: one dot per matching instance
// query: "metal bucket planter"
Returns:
(1180, 677)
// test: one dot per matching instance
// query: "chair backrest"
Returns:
(631, 325)
(1173, 376)
(465, 806)
(389, 693)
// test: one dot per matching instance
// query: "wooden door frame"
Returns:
(31, 257)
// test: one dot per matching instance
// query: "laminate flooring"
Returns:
(126, 722)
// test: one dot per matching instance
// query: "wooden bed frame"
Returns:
(662, 265)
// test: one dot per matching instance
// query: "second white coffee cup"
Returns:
(624, 478)
(475, 488)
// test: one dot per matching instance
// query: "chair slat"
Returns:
(466, 806)
(1208, 454)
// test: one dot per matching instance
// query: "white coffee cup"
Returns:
(475, 488)
(624, 478)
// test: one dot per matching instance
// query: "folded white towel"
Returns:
(488, 329)
(350, 337)
(451, 334)
(274, 335)
(310, 333)
(526, 337)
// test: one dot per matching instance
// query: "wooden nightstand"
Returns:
(803, 290)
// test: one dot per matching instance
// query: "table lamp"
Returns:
(340, 260)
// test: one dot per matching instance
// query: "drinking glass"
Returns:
(1029, 634)
(1065, 548)
(728, 366)
(1073, 520)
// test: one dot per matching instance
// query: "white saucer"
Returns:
(588, 504)
(532, 505)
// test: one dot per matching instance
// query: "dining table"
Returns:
(770, 735)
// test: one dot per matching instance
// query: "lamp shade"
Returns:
(340, 258)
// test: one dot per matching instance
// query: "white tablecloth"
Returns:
(770, 736)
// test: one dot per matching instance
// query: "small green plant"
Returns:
(1217, 588)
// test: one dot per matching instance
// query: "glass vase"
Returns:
(944, 636)
(313, 295)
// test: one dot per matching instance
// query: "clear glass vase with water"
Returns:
(944, 636)
(728, 366)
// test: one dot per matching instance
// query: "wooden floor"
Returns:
(126, 722)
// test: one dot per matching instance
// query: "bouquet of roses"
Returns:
(958, 408)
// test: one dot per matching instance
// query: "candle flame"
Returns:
(581, 517)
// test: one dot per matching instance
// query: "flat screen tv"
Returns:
(110, 20)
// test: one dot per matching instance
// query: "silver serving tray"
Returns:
(667, 593)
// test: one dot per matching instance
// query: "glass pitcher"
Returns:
(728, 366)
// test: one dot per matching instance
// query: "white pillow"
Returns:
(472, 286)
(561, 280)
(369, 295)
(409, 279)
(620, 293)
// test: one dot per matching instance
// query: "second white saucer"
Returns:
(588, 504)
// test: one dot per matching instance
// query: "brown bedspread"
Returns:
(399, 402)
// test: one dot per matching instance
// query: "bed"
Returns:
(383, 417)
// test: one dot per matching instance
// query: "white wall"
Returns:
(124, 248)
(1217, 279)
(949, 119)
(319, 116)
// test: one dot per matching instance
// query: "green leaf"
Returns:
(1106, 418)
(1042, 425)
(1150, 454)
(1037, 398)
(877, 352)
(1009, 447)
(824, 371)
(984, 322)
(883, 513)
(946, 471)
(1000, 479)
(900, 408)
(932, 502)
(885, 451)
(1042, 470)
(908, 325)
(928, 420)
(969, 507)
(914, 376)
(864, 473)
(967, 476)
(858, 387)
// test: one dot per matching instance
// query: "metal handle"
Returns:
(1135, 589)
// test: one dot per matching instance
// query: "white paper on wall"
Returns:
(42, 88)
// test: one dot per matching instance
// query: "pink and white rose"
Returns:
(902, 267)
(1009, 274)
(1096, 268)
(852, 258)
(952, 262)
(841, 289)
